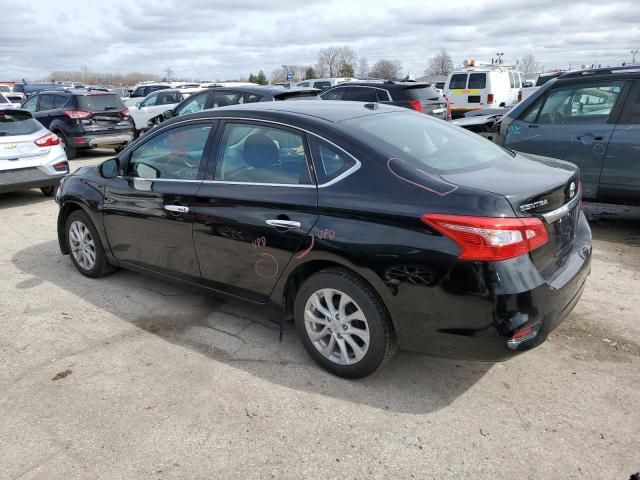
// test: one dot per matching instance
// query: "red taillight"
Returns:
(77, 114)
(519, 95)
(125, 112)
(415, 105)
(49, 140)
(449, 114)
(489, 238)
(580, 195)
(61, 167)
(489, 97)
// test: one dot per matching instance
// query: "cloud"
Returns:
(227, 39)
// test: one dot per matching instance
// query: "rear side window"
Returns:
(334, 94)
(195, 104)
(512, 82)
(60, 101)
(362, 94)
(478, 80)
(631, 113)
(458, 81)
(222, 99)
(424, 143)
(46, 102)
(322, 85)
(421, 93)
(330, 162)
(17, 123)
(3, 99)
(100, 102)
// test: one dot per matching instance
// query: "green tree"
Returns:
(310, 73)
(252, 78)
(261, 79)
(346, 70)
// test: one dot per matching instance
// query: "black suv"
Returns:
(421, 97)
(83, 118)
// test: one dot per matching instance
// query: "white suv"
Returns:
(154, 104)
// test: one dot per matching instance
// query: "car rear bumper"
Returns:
(478, 308)
(111, 140)
(26, 178)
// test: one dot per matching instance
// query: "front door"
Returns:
(255, 209)
(620, 179)
(147, 212)
(573, 123)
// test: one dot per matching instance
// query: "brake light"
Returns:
(61, 167)
(48, 140)
(580, 195)
(449, 114)
(76, 114)
(489, 97)
(125, 112)
(519, 95)
(415, 105)
(489, 238)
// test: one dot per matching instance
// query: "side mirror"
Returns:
(168, 114)
(110, 168)
(138, 104)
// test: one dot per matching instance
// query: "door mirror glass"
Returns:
(168, 114)
(138, 104)
(110, 168)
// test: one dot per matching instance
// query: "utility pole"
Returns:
(633, 56)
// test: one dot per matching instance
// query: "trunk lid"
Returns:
(545, 188)
(106, 114)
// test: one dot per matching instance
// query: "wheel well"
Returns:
(65, 210)
(503, 104)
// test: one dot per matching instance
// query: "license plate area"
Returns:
(473, 99)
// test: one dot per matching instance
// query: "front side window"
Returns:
(334, 94)
(60, 101)
(478, 80)
(458, 81)
(223, 99)
(167, 98)
(31, 104)
(330, 162)
(583, 103)
(631, 115)
(362, 94)
(138, 92)
(150, 101)
(174, 154)
(46, 102)
(322, 85)
(195, 104)
(251, 153)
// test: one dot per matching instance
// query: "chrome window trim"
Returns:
(333, 181)
(560, 212)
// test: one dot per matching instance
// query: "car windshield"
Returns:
(100, 102)
(4, 88)
(17, 123)
(426, 143)
(3, 99)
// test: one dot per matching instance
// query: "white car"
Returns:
(143, 89)
(154, 104)
(30, 155)
(324, 83)
(6, 103)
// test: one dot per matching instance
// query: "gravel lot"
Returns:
(163, 382)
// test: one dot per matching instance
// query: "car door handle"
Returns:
(283, 223)
(176, 208)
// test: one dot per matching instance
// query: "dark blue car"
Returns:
(590, 118)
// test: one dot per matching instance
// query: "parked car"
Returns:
(15, 98)
(543, 78)
(83, 118)
(215, 97)
(590, 118)
(371, 227)
(421, 97)
(28, 89)
(30, 155)
(5, 102)
(142, 90)
(324, 83)
(154, 104)
(481, 85)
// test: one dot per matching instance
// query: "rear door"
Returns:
(148, 211)
(107, 114)
(572, 122)
(255, 209)
(620, 178)
(45, 106)
(457, 93)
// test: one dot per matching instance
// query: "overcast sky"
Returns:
(224, 40)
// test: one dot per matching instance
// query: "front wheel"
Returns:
(85, 247)
(49, 191)
(343, 325)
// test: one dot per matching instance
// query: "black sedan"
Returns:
(371, 226)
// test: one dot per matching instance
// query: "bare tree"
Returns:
(363, 68)
(529, 65)
(95, 78)
(441, 64)
(386, 69)
(335, 59)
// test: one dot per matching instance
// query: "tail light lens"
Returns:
(61, 167)
(77, 114)
(449, 114)
(519, 95)
(48, 140)
(580, 195)
(125, 112)
(488, 238)
(415, 105)
(489, 97)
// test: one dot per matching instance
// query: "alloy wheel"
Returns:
(336, 326)
(82, 245)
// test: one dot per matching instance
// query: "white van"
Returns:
(481, 86)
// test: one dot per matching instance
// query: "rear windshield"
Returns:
(478, 80)
(425, 143)
(458, 80)
(17, 123)
(421, 93)
(100, 102)
(3, 99)
(295, 95)
(4, 88)
(542, 79)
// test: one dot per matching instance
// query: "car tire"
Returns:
(351, 348)
(84, 245)
(49, 191)
(70, 151)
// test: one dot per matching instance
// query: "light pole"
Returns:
(633, 56)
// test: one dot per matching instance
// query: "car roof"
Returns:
(599, 73)
(262, 89)
(77, 92)
(334, 111)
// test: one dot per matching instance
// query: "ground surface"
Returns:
(163, 382)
